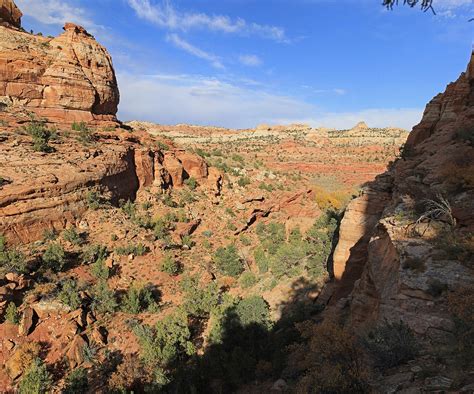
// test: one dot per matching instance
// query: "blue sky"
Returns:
(239, 63)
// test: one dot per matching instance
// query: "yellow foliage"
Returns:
(336, 199)
(20, 361)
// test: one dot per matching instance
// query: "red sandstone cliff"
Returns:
(64, 79)
(387, 263)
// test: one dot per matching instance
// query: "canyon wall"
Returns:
(388, 263)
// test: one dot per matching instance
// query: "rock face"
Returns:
(10, 15)
(386, 265)
(64, 79)
(44, 195)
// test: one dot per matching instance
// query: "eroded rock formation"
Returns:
(64, 79)
(388, 265)
(10, 15)
(52, 191)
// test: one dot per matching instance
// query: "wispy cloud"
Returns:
(204, 100)
(337, 91)
(180, 43)
(250, 60)
(454, 8)
(166, 16)
(57, 12)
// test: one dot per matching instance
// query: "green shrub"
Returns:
(288, 259)
(93, 200)
(73, 236)
(138, 299)
(50, 235)
(76, 382)
(162, 228)
(245, 240)
(94, 253)
(231, 226)
(54, 258)
(100, 270)
(11, 314)
(85, 135)
(11, 260)
(267, 187)
(247, 280)
(69, 294)
(161, 145)
(207, 233)
(191, 183)
(41, 136)
(103, 299)
(129, 209)
(168, 341)
(228, 261)
(147, 205)
(238, 158)
(186, 197)
(198, 301)
(244, 181)
(170, 266)
(201, 152)
(137, 250)
(168, 201)
(36, 380)
(253, 310)
(271, 236)
(391, 344)
(261, 259)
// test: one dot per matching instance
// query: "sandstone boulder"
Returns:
(194, 165)
(75, 353)
(28, 322)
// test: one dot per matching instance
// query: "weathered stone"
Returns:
(65, 79)
(75, 353)
(99, 335)
(438, 383)
(10, 15)
(28, 322)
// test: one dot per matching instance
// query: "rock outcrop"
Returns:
(51, 192)
(390, 265)
(10, 15)
(64, 79)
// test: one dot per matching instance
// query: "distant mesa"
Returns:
(361, 126)
(69, 78)
(10, 14)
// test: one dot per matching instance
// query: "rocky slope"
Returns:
(397, 258)
(64, 79)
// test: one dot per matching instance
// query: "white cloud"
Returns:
(453, 8)
(250, 60)
(166, 16)
(172, 99)
(56, 12)
(375, 117)
(214, 60)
